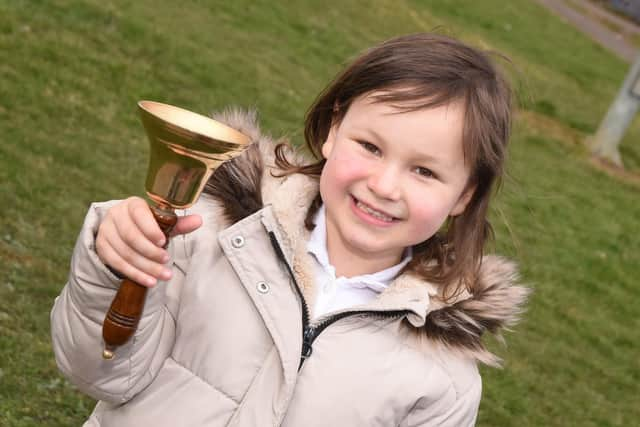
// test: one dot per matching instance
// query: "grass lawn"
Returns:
(71, 73)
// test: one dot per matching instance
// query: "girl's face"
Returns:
(390, 180)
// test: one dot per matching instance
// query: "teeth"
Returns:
(374, 213)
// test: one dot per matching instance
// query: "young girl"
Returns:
(346, 290)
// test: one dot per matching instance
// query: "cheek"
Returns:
(342, 169)
(428, 214)
(425, 217)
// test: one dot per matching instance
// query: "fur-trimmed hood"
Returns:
(250, 182)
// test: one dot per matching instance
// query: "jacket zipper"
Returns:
(306, 319)
(311, 332)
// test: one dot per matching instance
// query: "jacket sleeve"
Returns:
(448, 407)
(78, 313)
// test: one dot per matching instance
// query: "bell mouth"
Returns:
(199, 126)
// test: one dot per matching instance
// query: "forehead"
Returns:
(436, 130)
(389, 103)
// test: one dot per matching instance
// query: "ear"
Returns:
(327, 147)
(463, 201)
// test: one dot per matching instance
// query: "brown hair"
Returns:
(414, 72)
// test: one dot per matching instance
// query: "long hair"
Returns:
(414, 72)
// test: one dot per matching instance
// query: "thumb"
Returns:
(186, 224)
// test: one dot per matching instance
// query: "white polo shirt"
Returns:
(337, 293)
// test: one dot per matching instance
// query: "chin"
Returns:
(371, 249)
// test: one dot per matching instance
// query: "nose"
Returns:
(384, 182)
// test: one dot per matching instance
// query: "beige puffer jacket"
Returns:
(221, 343)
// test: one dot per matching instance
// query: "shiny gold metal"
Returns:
(185, 150)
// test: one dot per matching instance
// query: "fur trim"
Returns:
(247, 183)
(244, 121)
(237, 183)
(495, 305)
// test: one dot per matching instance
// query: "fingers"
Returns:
(187, 224)
(133, 264)
(137, 270)
(138, 229)
(128, 240)
(142, 220)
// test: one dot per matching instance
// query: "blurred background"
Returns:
(71, 73)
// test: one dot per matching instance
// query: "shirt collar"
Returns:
(317, 246)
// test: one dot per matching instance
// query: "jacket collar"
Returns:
(250, 182)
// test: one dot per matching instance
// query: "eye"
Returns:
(369, 147)
(424, 172)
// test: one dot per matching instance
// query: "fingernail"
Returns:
(151, 281)
(166, 274)
(161, 243)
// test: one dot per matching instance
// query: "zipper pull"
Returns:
(308, 335)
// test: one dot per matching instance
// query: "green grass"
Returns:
(72, 71)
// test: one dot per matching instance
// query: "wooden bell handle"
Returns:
(126, 308)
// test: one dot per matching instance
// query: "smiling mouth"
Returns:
(373, 212)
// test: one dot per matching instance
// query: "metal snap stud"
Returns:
(263, 287)
(237, 241)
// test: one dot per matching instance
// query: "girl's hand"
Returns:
(130, 241)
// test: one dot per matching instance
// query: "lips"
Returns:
(374, 212)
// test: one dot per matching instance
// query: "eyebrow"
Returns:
(420, 156)
(371, 132)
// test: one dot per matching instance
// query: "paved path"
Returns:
(593, 27)
(626, 25)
